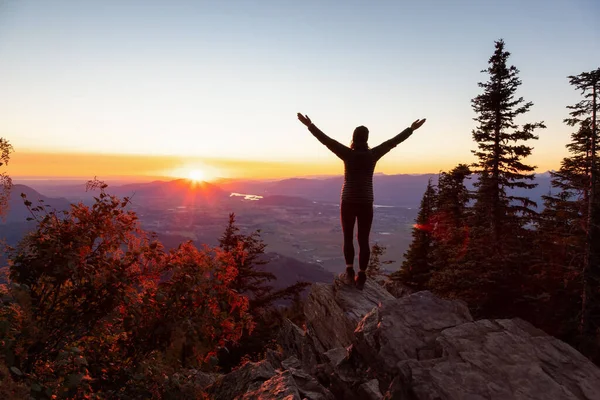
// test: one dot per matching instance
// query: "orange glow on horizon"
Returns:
(79, 165)
(25, 164)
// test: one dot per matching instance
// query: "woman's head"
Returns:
(360, 137)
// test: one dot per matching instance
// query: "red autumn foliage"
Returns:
(97, 308)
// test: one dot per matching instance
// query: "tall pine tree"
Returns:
(500, 244)
(416, 268)
(567, 275)
(451, 234)
(554, 284)
(501, 146)
(584, 115)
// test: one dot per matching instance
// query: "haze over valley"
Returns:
(298, 218)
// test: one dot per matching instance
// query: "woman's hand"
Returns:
(304, 119)
(417, 124)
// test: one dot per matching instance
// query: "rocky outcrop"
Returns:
(501, 359)
(280, 387)
(407, 328)
(373, 345)
(295, 342)
(246, 378)
(333, 311)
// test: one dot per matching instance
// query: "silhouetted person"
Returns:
(357, 192)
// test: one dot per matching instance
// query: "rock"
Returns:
(335, 356)
(332, 312)
(308, 387)
(394, 287)
(274, 357)
(416, 347)
(291, 384)
(279, 387)
(406, 328)
(239, 381)
(356, 303)
(370, 390)
(204, 379)
(291, 362)
(345, 373)
(296, 343)
(325, 318)
(500, 359)
(397, 289)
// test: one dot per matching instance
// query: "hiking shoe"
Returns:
(360, 280)
(349, 276)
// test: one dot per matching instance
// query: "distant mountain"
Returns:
(289, 270)
(402, 190)
(15, 225)
(17, 212)
(393, 190)
(179, 191)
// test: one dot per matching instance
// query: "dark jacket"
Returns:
(359, 165)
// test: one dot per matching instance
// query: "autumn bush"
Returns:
(97, 308)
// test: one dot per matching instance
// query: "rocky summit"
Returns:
(372, 345)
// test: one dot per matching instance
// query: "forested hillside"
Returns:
(501, 252)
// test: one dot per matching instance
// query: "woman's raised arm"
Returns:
(336, 147)
(385, 147)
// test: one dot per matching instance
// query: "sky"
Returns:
(152, 88)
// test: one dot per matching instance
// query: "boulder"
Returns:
(289, 384)
(291, 362)
(239, 381)
(370, 390)
(308, 387)
(204, 379)
(500, 359)
(295, 342)
(332, 312)
(407, 328)
(345, 373)
(279, 387)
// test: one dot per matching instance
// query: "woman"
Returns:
(357, 192)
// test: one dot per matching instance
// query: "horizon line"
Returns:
(216, 179)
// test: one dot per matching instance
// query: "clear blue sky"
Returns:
(224, 79)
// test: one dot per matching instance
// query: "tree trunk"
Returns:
(496, 182)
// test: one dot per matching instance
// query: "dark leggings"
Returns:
(363, 214)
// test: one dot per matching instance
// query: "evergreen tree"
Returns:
(451, 232)
(451, 205)
(554, 284)
(247, 252)
(500, 244)
(416, 268)
(501, 147)
(565, 279)
(556, 276)
(375, 262)
(584, 170)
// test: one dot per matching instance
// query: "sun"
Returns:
(196, 175)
